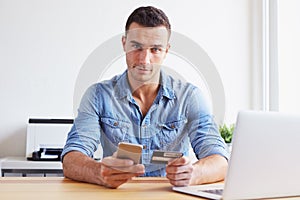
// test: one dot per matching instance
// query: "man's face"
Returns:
(145, 48)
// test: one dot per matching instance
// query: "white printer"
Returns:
(46, 138)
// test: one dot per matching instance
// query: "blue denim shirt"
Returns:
(108, 114)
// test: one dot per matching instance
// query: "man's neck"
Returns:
(145, 96)
(146, 91)
(143, 87)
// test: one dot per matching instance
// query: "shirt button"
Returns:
(172, 126)
(116, 123)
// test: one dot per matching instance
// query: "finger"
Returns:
(179, 161)
(182, 179)
(180, 182)
(112, 161)
(136, 169)
(115, 180)
(178, 177)
(174, 169)
(139, 168)
(114, 185)
(119, 177)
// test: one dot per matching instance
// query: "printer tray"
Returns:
(45, 154)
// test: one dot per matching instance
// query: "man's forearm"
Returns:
(80, 167)
(210, 169)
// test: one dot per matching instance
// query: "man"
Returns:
(144, 106)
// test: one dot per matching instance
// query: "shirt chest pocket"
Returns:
(168, 133)
(114, 130)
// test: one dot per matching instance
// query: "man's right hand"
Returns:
(114, 171)
(110, 172)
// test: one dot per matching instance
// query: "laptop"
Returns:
(264, 161)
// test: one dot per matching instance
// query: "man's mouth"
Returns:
(143, 68)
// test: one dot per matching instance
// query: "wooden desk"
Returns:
(59, 188)
(56, 188)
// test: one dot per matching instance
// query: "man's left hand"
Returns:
(179, 171)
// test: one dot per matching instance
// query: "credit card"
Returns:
(163, 157)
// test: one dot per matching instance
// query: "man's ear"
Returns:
(168, 47)
(167, 50)
(123, 42)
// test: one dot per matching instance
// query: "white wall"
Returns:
(288, 55)
(43, 45)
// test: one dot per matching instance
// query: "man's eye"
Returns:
(136, 46)
(156, 50)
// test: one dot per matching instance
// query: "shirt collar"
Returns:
(122, 88)
(166, 82)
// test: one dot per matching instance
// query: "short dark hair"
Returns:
(148, 16)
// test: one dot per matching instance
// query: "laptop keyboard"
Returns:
(214, 191)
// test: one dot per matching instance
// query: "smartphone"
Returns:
(130, 151)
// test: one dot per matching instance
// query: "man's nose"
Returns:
(145, 56)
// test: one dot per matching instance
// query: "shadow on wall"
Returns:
(15, 144)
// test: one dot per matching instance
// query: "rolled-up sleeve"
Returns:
(204, 134)
(84, 135)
